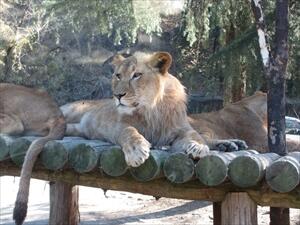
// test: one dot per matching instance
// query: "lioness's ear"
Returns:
(117, 60)
(162, 61)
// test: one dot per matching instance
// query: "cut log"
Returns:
(152, 167)
(238, 209)
(5, 141)
(112, 162)
(212, 169)
(18, 149)
(248, 170)
(55, 153)
(84, 157)
(179, 168)
(284, 174)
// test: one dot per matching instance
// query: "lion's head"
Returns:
(139, 80)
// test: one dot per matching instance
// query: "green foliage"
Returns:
(120, 20)
(223, 39)
(216, 43)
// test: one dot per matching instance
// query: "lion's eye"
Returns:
(118, 76)
(136, 75)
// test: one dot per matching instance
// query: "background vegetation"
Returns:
(65, 46)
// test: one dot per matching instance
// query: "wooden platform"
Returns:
(230, 178)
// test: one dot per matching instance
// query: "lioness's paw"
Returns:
(196, 150)
(240, 143)
(231, 145)
(136, 152)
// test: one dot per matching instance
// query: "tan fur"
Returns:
(149, 108)
(28, 112)
(245, 119)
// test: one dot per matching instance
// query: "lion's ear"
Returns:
(162, 61)
(117, 60)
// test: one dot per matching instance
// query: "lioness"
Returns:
(148, 106)
(245, 119)
(29, 112)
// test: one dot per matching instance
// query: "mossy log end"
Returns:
(179, 168)
(284, 174)
(248, 170)
(152, 168)
(212, 169)
(112, 162)
(191, 190)
(18, 149)
(54, 155)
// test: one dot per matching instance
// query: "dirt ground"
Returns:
(116, 207)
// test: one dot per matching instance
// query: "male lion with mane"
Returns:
(148, 108)
(26, 111)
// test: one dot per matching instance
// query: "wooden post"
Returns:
(217, 213)
(279, 216)
(238, 208)
(63, 204)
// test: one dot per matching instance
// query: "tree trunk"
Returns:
(275, 69)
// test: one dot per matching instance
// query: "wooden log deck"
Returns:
(266, 179)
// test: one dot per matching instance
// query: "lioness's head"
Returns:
(138, 81)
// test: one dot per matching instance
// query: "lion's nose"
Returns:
(119, 96)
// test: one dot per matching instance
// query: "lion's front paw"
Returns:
(196, 150)
(136, 151)
(231, 145)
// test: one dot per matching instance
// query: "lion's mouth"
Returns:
(131, 105)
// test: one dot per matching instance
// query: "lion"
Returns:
(148, 108)
(246, 119)
(26, 111)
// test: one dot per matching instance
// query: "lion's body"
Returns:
(245, 119)
(149, 108)
(25, 111)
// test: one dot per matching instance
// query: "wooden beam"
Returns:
(192, 190)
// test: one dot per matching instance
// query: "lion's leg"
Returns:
(135, 147)
(10, 124)
(190, 142)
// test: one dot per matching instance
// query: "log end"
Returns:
(18, 149)
(283, 176)
(245, 171)
(112, 162)
(211, 170)
(54, 156)
(83, 158)
(179, 168)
